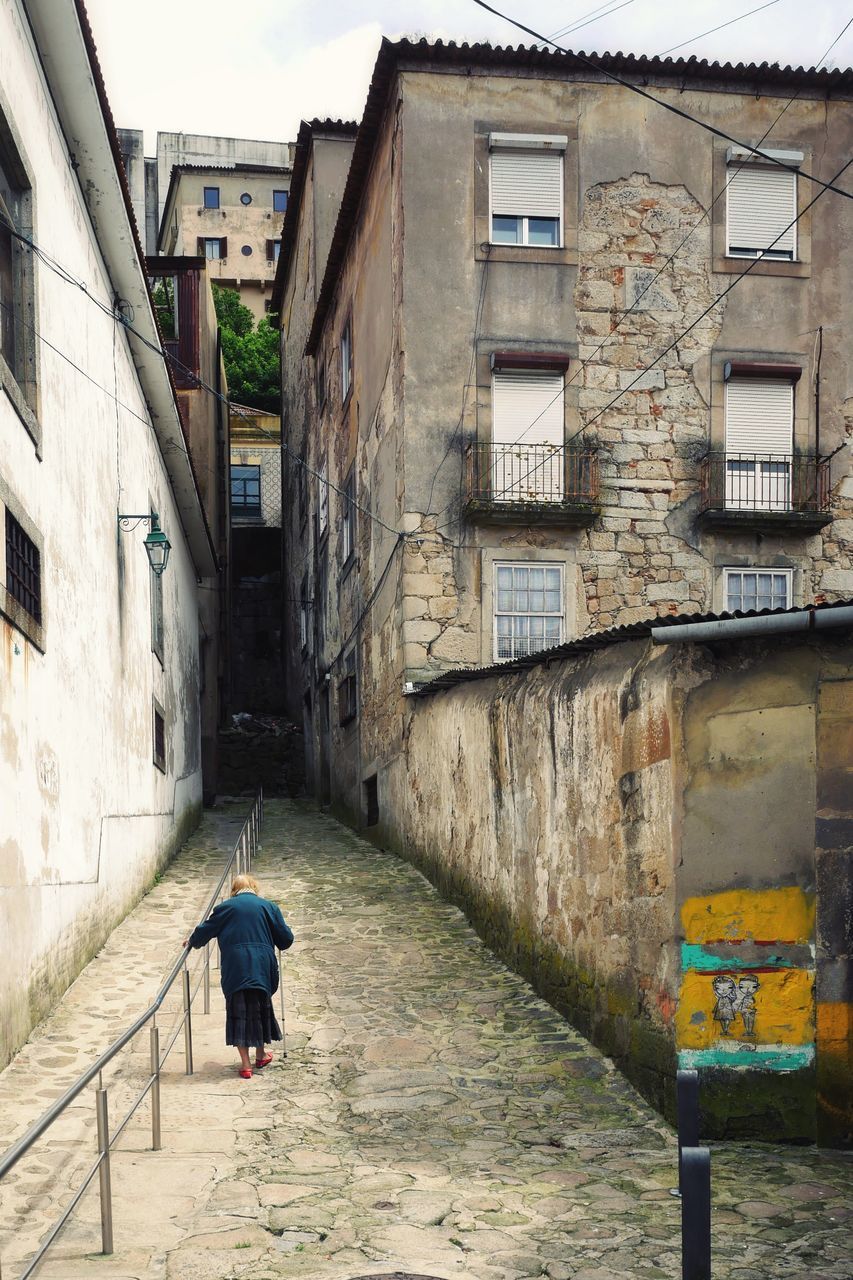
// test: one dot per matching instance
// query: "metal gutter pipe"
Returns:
(768, 624)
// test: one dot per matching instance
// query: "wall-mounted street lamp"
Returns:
(157, 545)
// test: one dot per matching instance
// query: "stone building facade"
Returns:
(100, 734)
(257, 609)
(231, 213)
(538, 400)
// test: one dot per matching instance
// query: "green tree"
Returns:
(251, 353)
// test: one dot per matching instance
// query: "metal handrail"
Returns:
(243, 853)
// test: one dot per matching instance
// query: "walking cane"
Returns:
(281, 997)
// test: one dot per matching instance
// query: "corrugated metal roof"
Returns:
(600, 640)
(647, 71)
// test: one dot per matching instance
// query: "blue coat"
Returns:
(249, 929)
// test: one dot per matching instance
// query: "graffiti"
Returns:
(733, 999)
(747, 980)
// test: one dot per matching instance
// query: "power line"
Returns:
(628, 311)
(711, 32)
(165, 355)
(706, 214)
(733, 284)
(592, 15)
(660, 102)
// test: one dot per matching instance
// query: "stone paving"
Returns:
(433, 1115)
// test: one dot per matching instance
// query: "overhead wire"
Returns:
(672, 48)
(628, 311)
(683, 334)
(659, 102)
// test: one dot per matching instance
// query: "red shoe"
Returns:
(263, 1062)
(245, 1073)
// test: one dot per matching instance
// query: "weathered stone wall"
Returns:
(638, 559)
(632, 826)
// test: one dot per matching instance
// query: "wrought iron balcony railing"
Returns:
(769, 486)
(551, 481)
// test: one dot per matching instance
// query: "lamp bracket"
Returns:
(129, 523)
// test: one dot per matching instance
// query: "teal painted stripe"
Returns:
(787, 1057)
(695, 956)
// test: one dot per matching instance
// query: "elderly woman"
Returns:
(249, 928)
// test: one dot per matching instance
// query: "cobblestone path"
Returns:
(432, 1116)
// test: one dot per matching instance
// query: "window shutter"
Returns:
(199, 247)
(223, 246)
(527, 184)
(761, 204)
(522, 399)
(270, 250)
(759, 416)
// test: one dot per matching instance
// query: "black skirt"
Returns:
(250, 1019)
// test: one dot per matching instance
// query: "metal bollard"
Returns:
(155, 1088)
(207, 978)
(687, 1105)
(695, 1213)
(188, 1023)
(104, 1170)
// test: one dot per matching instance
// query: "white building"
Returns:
(100, 766)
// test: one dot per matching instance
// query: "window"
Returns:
(156, 585)
(245, 198)
(164, 291)
(211, 197)
(347, 695)
(273, 250)
(346, 360)
(304, 630)
(212, 247)
(246, 251)
(279, 201)
(759, 443)
(348, 513)
(371, 800)
(321, 384)
(246, 491)
(23, 568)
(751, 589)
(528, 417)
(323, 500)
(9, 285)
(159, 736)
(761, 206)
(17, 286)
(528, 609)
(526, 180)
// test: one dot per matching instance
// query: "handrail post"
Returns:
(281, 1001)
(188, 1023)
(207, 978)
(155, 1087)
(102, 1112)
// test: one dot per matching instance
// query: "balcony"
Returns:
(782, 491)
(520, 483)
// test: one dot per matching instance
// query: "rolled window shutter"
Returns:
(528, 407)
(527, 184)
(761, 205)
(223, 246)
(759, 416)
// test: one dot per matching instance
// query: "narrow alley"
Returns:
(432, 1116)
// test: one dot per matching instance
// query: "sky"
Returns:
(255, 68)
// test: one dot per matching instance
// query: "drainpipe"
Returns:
(765, 625)
(817, 393)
